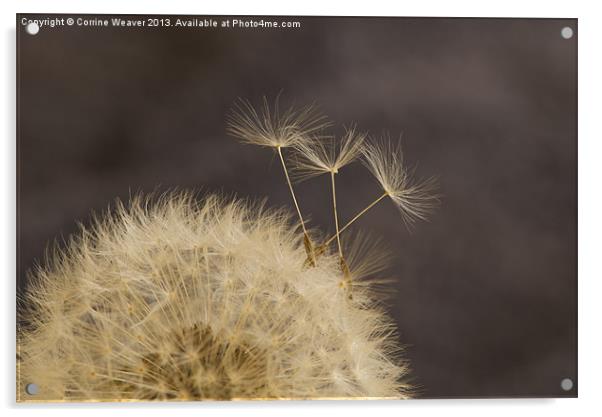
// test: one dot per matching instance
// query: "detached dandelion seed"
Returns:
(414, 199)
(273, 129)
(328, 155)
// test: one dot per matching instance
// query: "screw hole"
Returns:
(566, 32)
(32, 28)
(566, 384)
(32, 389)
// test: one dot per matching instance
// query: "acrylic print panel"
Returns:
(225, 208)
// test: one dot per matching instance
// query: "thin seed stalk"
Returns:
(344, 267)
(307, 241)
(350, 222)
(336, 217)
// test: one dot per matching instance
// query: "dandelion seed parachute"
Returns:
(172, 298)
(414, 199)
(272, 127)
(327, 154)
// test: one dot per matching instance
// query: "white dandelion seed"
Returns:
(327, 154)
(415, 200)
(323, 155)
(273, 129)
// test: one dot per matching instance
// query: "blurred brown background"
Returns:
(485, 291)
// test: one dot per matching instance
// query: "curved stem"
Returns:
(357, 216)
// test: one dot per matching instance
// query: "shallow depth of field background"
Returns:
(484, 293)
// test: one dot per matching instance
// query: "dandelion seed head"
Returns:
(174, 299)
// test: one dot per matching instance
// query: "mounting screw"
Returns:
(566, 384)
(32, 389)
(566, 32)
(32, 28)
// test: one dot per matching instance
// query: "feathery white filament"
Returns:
(272, 127)
(326, 154)
(414, 199)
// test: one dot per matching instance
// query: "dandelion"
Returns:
(414, 199)
(176, 299)
(275, 129)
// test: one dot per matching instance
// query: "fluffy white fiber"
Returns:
(179, 298)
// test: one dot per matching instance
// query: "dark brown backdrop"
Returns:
(486, 291)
